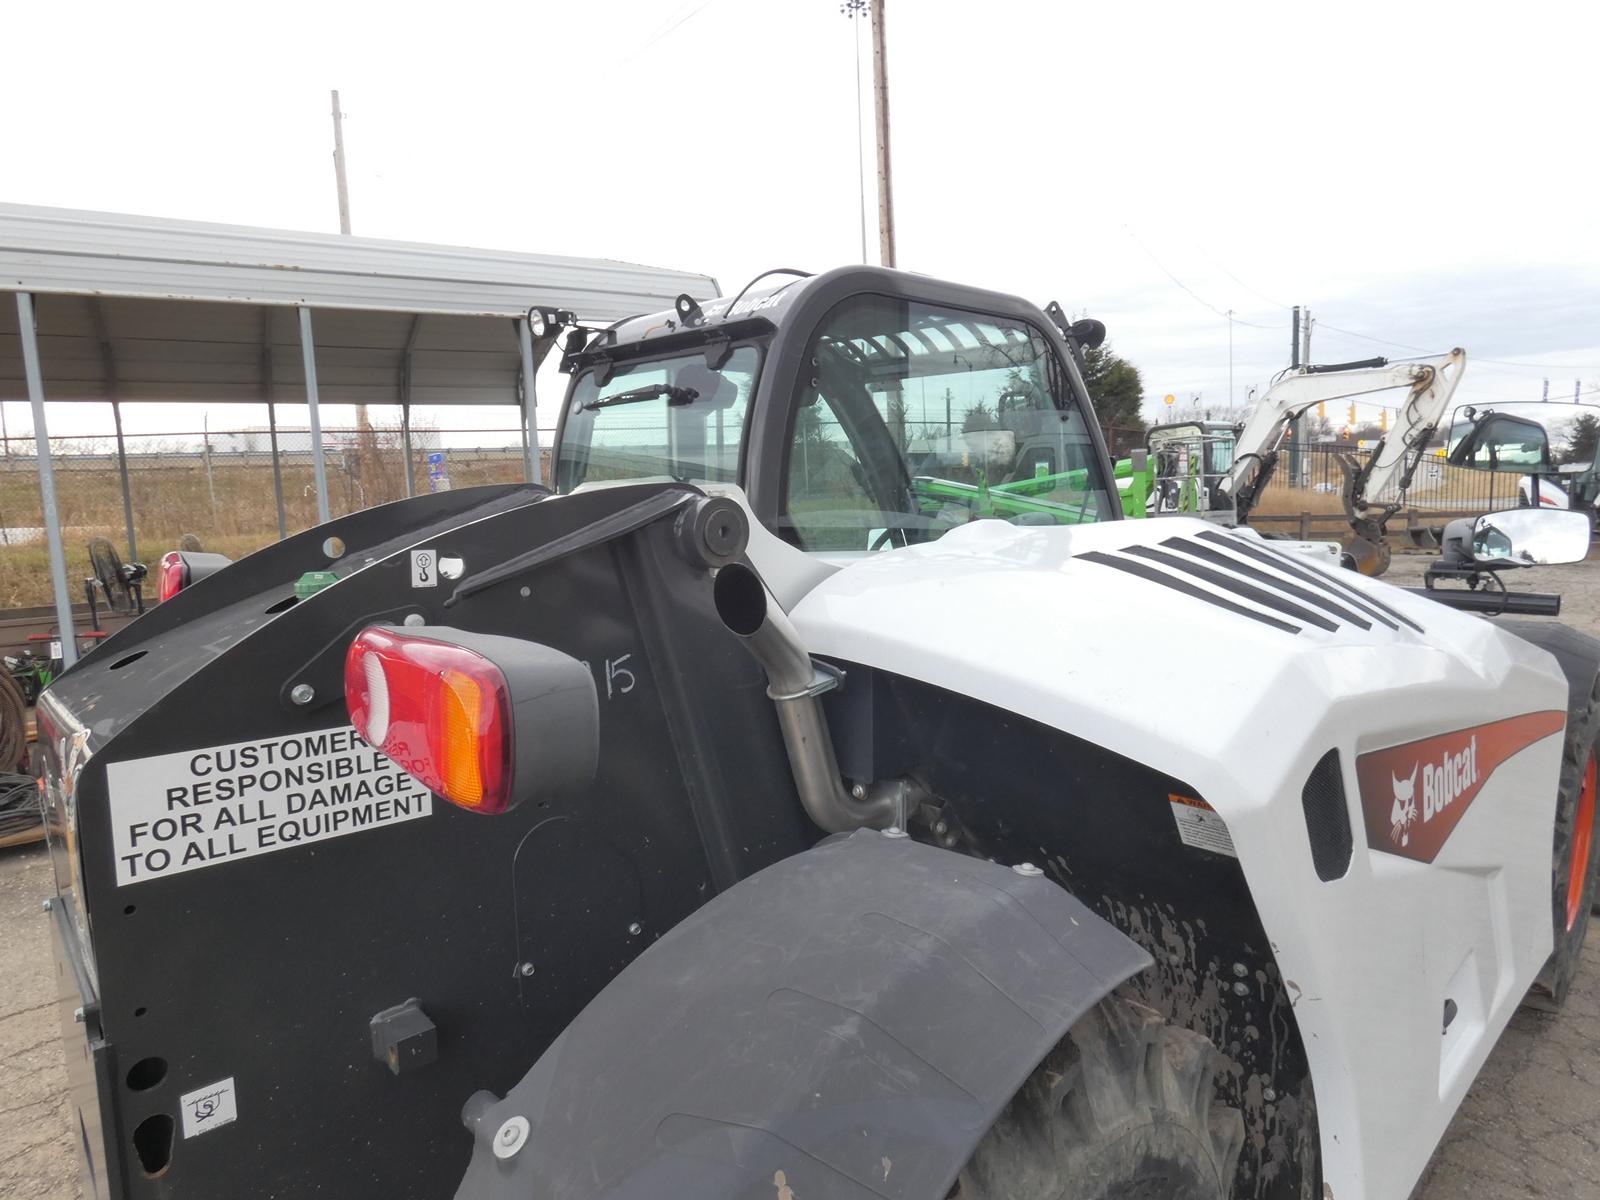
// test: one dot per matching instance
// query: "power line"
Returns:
(688, 16)
(1367, 337)
(1226, 315)
(1477, 358)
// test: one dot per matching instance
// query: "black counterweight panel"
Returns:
(264, 969)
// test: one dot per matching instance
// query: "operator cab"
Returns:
(1192, 459)
(859, 410)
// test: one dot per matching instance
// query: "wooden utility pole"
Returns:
(338, 166)
(363, 423)
(880, 92)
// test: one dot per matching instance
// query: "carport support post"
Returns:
(127, 494)
(47, 479)
(277, 466)
(530, 431)
(308, 351)
(268, 395)
(405, 440)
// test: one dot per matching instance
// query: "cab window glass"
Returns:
(916, 419)
(672, 417)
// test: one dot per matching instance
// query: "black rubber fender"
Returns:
(846, 1023)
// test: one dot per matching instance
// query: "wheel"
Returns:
(1123, 1108)
(1575, 856)
(1577, 850)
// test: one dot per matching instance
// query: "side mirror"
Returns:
(1530, 537)
(1524, 438)
(1139, 460)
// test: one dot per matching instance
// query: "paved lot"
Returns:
(1529, 1128)
(38, 1158)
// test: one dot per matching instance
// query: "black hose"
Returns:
(20, 806)
(13, 723)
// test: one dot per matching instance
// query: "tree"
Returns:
(898, 409)
(1115, 386)
(977, 418)
(1582, 439)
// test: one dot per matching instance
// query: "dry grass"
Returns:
(1291, 502)
(233, 511)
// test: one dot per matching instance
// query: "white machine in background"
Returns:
(1430, 382)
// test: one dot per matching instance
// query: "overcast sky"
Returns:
(1424, 174)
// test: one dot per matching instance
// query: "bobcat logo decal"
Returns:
(1404, 812)
(1414, 795)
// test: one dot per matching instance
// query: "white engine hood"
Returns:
(1197, 652)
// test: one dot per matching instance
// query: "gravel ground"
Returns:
(1530, 1127)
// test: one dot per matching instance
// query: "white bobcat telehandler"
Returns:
(743, 819)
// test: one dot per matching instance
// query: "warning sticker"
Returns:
(208, 1108)
(1200, 826)
(200, 808)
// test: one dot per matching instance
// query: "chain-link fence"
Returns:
(240, 489)
(227, 488)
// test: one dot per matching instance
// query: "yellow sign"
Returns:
(1171, 399)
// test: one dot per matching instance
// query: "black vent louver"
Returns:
(1295, 596)
(1327, 818)
(1326, 581)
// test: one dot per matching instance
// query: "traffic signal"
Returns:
(1352, 412)
(1322, 410)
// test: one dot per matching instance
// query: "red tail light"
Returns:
(174, 574)
(440, 710)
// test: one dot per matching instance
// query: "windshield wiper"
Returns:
(674, 395)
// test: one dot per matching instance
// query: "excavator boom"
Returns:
(1430, 383)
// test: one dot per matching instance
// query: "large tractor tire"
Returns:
(1123, 1108)
(1575, 857)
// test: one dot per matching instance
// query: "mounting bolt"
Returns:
(78, 1016)
(1240, 970)
(636, 929)
(48, 905)
(511, 1137)
(525, 969)
(941, 828)
(1027, 869)
(525, 592)
(858, 791)
(1241, 988)
(303, 693)
(415, 619)
(1268, 1095)
(894, 831)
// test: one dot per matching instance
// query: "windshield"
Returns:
(919, 419)
(673, 417)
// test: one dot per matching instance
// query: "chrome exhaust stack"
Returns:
(794, 682)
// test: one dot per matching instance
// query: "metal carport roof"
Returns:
(143, 308)
(115, 307)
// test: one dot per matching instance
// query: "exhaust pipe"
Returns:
(793, 683)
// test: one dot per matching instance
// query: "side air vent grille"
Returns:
(1327, 818)
(1225, 569)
